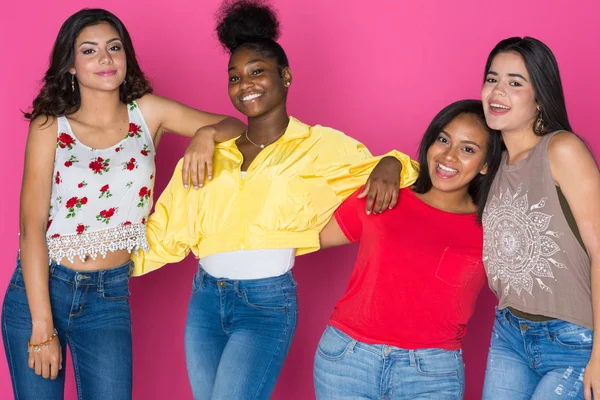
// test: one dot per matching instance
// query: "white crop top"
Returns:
(101, 198)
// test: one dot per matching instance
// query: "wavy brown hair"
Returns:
(56, 97)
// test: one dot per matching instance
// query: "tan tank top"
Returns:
(533, 260)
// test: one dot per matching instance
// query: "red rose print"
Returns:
(57, 178)
(145, 151)
(105, 192)
(105, 215)
(49, 223)
(82, 184)
(99, 165)
(65, 140)
(133, 128)
(56, 235)
(131, 165)
(143, 221)
(144, 194)
(81, 228)
(68, 163)
(126, 223)
(151, 177)
(118, 149)
(72, 202)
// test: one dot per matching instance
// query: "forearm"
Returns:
(227, 129)
(34, 265)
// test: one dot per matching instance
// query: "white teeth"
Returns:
(496, 105)
(251, 96)
(447, 169)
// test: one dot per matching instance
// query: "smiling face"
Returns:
(256, 83)
(100, 60)
(508, 94)
(458, 155)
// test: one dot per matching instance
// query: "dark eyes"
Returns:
(442, 139)
(112, 48)
(257, 71)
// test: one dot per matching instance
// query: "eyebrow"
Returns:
(463, 141)
(512, 75)
(96, 44)
(248, 63)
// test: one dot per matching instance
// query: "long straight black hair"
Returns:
(480, 186)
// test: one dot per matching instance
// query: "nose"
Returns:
(451, 154)
(105, 58)
(246, 82)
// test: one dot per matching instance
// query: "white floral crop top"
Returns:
(100, 197)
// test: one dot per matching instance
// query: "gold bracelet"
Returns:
(36, 348)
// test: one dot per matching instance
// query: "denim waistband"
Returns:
(285, 280)
(90, 278)
(535, 327)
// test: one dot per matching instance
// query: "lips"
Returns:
(444, 171)
(110, 72)
(251, 96)
(498, 108)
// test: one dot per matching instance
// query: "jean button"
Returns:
(524, 327)
(221, 284)
(387, 350)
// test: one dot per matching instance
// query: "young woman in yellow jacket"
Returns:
(273, 189)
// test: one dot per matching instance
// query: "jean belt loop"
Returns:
(412, 357)
(101, 281)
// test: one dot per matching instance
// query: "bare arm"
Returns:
(164, 115)
(332, 235)
(35, 203)
(574, 170)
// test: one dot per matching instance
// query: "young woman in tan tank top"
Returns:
(541, 234)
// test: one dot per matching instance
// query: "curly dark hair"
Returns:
(250, 24)
(56, 96)
(480, 186)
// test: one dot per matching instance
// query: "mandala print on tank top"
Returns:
(518, 247)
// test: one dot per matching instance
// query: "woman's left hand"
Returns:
(591, 379)
(198, 157)
(382, 186)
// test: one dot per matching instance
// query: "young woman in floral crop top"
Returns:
(86, 195)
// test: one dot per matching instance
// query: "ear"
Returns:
(484, 170)
(286, 74)
(72, 71)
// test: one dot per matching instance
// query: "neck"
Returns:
(99, 107)
(265, 128)
(519, 142)
(457, 202)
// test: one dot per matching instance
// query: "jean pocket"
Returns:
(117, 290)
(574, 337)
(266, 299)
(196, 283)
(333, 346)
(437, 362)
(16, 281)
(457, 266)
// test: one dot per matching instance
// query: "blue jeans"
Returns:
(536, 360)
(91, 314)
(237, 335)
(348, 369)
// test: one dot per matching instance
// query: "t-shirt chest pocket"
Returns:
(457, 266)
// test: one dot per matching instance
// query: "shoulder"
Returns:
(566, 144)
(43, 128)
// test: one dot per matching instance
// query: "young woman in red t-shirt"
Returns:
(397, 330)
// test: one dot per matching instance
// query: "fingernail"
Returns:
(185, 186)
(210, 177)
(195, 187)
(368, 212)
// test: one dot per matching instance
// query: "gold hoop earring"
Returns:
(538, 127)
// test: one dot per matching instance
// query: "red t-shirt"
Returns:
(417, 275)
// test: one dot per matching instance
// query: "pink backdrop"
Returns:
(377, 70)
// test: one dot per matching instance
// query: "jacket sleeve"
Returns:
(167, 229)
(344, 169)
